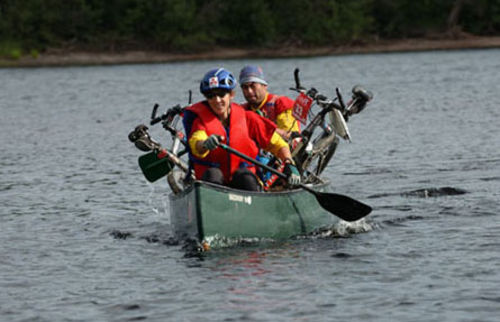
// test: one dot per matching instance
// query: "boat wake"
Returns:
(190, 247)
(225, 242)
(193, 248)
(342, 229)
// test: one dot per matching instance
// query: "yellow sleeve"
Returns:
(197, 136)
(287, 122)
(276, 144)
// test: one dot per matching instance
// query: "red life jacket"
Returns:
(274, 106)
(237, 137)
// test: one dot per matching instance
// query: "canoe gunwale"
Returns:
(199, 183)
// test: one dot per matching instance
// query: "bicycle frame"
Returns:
(322, 148)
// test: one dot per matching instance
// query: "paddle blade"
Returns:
(154, 168)
(344, 207)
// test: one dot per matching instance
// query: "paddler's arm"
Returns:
(282, 151)
(264, 132)
(285, 120)
(196, 144)
(286, 124)
(278, 147)
(201, 144)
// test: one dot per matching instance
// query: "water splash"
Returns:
(342, 229)
(218, 241)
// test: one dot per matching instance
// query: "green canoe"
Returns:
(209, 212)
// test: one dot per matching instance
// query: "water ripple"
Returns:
(85, 237)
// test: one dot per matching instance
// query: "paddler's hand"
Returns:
(212, 142)
(292, 173)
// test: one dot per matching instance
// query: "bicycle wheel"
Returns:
(325, 159)
(322, 151)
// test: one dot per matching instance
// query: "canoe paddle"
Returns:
(344, 207)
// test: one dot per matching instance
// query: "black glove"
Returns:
(212, 142)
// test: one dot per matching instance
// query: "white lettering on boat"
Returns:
(245, 199)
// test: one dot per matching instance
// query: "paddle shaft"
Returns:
(341, 206)
(262, 165)
(252, 160)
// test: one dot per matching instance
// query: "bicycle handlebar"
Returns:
(168, 115)
(360, 97)
(320, 99)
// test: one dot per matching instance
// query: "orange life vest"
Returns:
(237, 137)
(274, 106)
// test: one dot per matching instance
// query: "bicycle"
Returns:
(312, 151)
(160, 161)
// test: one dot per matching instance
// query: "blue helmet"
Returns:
(219, 78)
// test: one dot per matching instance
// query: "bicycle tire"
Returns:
(323, 149)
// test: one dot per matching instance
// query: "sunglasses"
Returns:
(212, 94)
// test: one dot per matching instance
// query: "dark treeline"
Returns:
(192, 25)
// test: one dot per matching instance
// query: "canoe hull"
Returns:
(205, 211)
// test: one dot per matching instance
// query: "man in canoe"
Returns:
(217, 119)
(276, 108)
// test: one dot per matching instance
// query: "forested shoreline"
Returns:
(32, 27)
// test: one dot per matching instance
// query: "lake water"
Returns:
(85, 238)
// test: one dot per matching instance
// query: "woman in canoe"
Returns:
(217, 119)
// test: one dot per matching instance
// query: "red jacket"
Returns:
(274, 106)
(247, 133)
